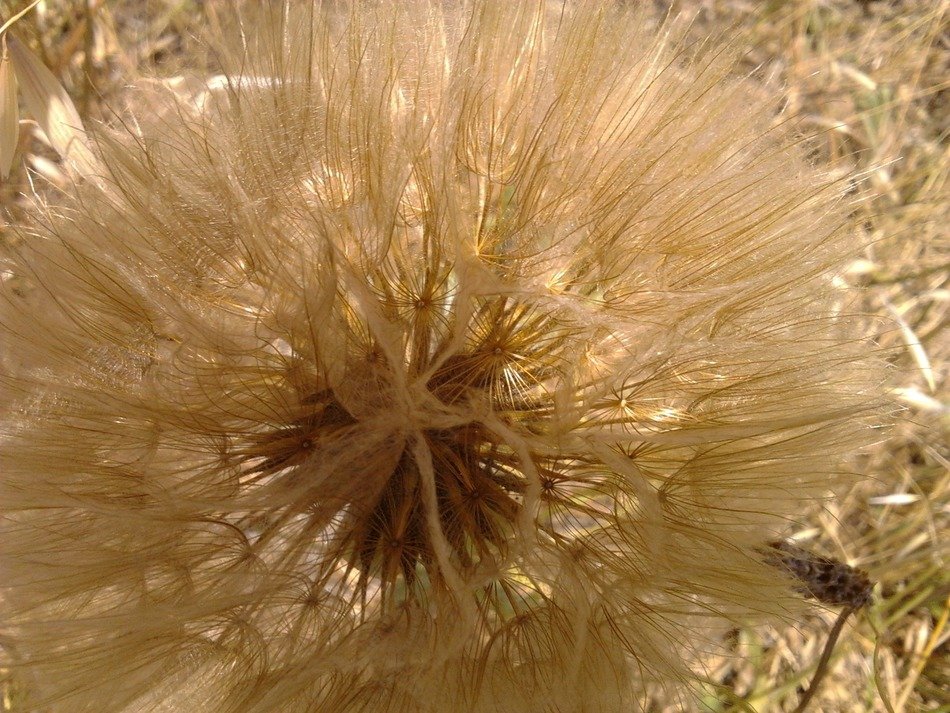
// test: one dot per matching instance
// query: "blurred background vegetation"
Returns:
(868, 82)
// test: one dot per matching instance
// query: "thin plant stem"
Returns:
(822, 669)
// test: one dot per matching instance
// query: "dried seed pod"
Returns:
(828, 580)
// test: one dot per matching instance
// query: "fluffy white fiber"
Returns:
(444, 357)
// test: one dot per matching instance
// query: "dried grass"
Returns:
(871, 80)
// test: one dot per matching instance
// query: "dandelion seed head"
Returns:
(440, 358)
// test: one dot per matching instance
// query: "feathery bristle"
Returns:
(443, 356)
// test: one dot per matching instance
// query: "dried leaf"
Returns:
(9, 111)
(894, 499)
(48, 103)
(915, 347)
(914, 397)
(51, 172)
(857, 76)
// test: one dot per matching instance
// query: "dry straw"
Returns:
(440, 357)
(23, 75)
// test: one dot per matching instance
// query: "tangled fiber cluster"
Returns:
(443, 356)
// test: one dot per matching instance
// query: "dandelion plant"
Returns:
(437, 356)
